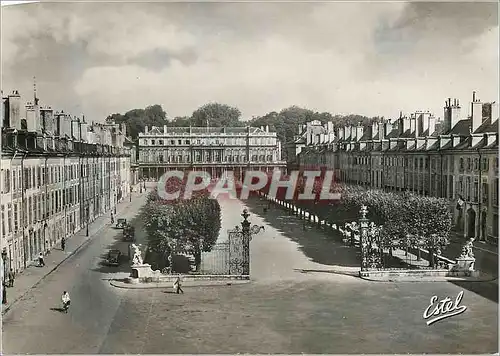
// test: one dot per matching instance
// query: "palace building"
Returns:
(215, 150)
(454, 158)
(58, 174)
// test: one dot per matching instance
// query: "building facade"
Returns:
(58, 173)
(455, 158)
(215, 150)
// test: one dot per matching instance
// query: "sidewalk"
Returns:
(33, 275)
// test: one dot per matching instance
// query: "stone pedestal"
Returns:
(465, 264)
(141, 271)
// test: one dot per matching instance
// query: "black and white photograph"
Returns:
(249, 177)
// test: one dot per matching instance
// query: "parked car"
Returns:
(121, 223)
(129, 233)
(114, 257)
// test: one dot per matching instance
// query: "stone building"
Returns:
(212, 149)
(454, 158)
(58, 173)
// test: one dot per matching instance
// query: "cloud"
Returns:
(367, 58)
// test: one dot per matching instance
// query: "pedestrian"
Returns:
(112, 219)
(177, 286)
(63, 243)
(11, 275)
(41, 261)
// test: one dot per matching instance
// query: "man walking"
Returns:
(41, 261)
(177, 286)
(112, 219)
(63, 243)
(11, 276)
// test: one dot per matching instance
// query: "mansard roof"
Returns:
(487, 126)
(203, 130)
(461, 128)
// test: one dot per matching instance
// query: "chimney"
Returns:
(347, 132)
(413, 125)
(494, 111)
(146, 129)
(47, 119)
(329, 126)
(452, 114)
(387, 128)
(267, 128)
(75, 129)
(165, 129)
(353, 133)
(359, 131)
(33, 117)
(14, 102)
(404, 124)
(374, 129)
(381, 130)
(340, 133)
(476, 112)
(431, 123)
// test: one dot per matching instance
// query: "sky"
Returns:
(368, 58)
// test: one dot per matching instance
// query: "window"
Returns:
(14, 180)
(160, 142)
(188, 142)
(495, 193)
(485, 192)
(30, 211)
(469, 164)
(476, 190)
(38, 176)
(461, 164)
(9, 217)
(153, 142)
(450, 187)
(427, 163)
(172, 142)
(180, 142)
(476, 164)
(3, 220)
(495, 225)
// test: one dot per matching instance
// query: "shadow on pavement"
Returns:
(488, 290)
(317, 245)
(59, 309)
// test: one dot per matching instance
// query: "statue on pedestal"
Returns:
(137, 259)
(467, 251)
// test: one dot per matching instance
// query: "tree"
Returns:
(137, 119)
(217, 115)
(182, 225)
(180, 121)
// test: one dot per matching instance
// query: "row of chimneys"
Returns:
(418, 124)
(43, 119)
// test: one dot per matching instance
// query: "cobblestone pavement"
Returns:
(282, 311)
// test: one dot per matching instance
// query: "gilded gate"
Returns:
(227, 258)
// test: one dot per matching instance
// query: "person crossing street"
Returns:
(177, 286)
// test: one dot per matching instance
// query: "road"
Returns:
(34, 325)
(283, 310)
